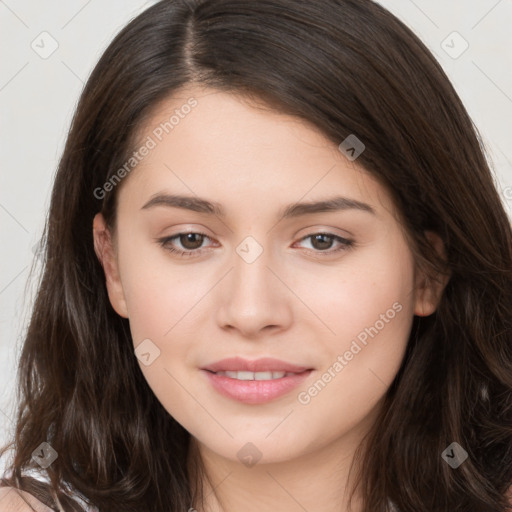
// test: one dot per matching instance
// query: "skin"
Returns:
(291, 303)
(14, 500)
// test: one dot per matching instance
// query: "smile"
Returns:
(243, 375)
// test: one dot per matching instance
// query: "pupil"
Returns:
(320, 237)
(189, 238)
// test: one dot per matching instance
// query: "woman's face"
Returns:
(259, 284)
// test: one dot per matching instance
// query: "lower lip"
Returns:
(255, 391)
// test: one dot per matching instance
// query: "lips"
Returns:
(255, 382)
(243, 375)
(266, 364)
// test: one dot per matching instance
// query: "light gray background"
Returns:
(38, 96)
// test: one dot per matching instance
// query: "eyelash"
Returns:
(345, 244)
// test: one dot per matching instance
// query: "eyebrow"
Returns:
(201, 205)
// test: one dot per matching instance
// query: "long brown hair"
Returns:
(348, 67)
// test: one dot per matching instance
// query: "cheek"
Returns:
(158, 293)
(160, 297)
(368, 287)
(368, 307)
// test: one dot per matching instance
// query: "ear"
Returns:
(429, 288)
(106, 253)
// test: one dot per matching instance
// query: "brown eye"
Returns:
(184, 244)
(322, 243)
(191, 241)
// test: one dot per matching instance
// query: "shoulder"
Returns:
(14, 500)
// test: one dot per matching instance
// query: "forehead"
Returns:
(215, 144)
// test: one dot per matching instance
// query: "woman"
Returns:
(194, 344)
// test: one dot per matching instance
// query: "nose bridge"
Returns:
(251, 261)
(252, 296)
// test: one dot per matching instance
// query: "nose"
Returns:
(253, 298)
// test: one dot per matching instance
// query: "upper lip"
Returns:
(258, 365)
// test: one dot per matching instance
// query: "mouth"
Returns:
(255, 388)
(245, 375)
(258, 366)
